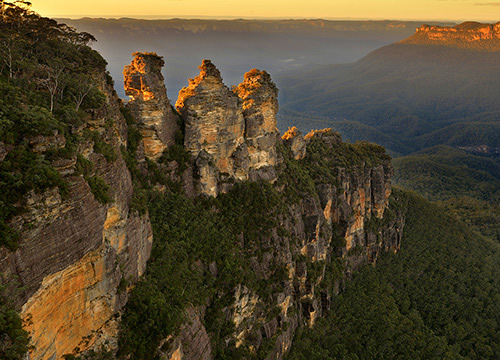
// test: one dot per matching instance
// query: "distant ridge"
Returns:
(468, 35)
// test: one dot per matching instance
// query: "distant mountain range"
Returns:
(409, 95)
(237, 46)
(432, 100)
(468, 35)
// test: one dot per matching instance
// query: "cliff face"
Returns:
(470, 35)
(319, 241)
(144, 84)
(76, 256)
(230, 134)
(79, 257)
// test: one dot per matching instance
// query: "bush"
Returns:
(99, 189)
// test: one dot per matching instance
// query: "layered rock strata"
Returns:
(230, 134)
(319, 241)
(77, 257)
(149, 104)
(470, 35)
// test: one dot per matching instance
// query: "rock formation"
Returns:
(76, 256)
(260, 107)
(296, 142)
(79, 257)
(230, 134)
(214, 128)
(342, 219)
(149, 103)
(469, 35)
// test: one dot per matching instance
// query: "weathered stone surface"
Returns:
(41, 143)
(214, 125)
(235, 130)
(296, 142)
(259, 97)
(192, 343)
(149, 103)
(73, 251)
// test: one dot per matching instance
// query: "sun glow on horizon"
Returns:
(355, 9)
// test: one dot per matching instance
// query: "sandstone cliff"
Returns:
(78, 257)
(324, 234)
(469, 35)
(230, 134)
(149, 103)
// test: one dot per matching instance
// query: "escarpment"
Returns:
(292, 218)
(469, 35)
(331, 215)
(79, 252)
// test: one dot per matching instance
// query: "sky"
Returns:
(456, 10)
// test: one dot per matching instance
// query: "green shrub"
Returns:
(99, 189)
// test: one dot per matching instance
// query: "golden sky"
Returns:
(482, 10)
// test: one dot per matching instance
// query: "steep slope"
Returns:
(417, 94)
(72, 243)
(437, 298)
(236, 266)
(254, 235)
(227, 270)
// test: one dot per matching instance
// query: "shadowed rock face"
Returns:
(470, 35)
(230, 134)
(149, 104)
(259, 97)
(214, 127)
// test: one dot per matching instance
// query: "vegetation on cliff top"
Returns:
(47, 85)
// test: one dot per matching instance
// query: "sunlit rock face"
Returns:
(296, 142)
(471, 35)
(149, 104)
(78, 258)
(230, 134)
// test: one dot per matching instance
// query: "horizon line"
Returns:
(202, 17)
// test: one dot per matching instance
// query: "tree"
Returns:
(52, 79)
(82, 87)
(10, 50)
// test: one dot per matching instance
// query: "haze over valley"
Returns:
(304, 189)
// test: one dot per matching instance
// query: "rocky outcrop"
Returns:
(214, 128)
(469, 35)
(303, 264)
(149, 104)
(230, 134)
(78, 257)
(259, 97)
(296, 142)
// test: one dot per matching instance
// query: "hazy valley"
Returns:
(199, 220)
